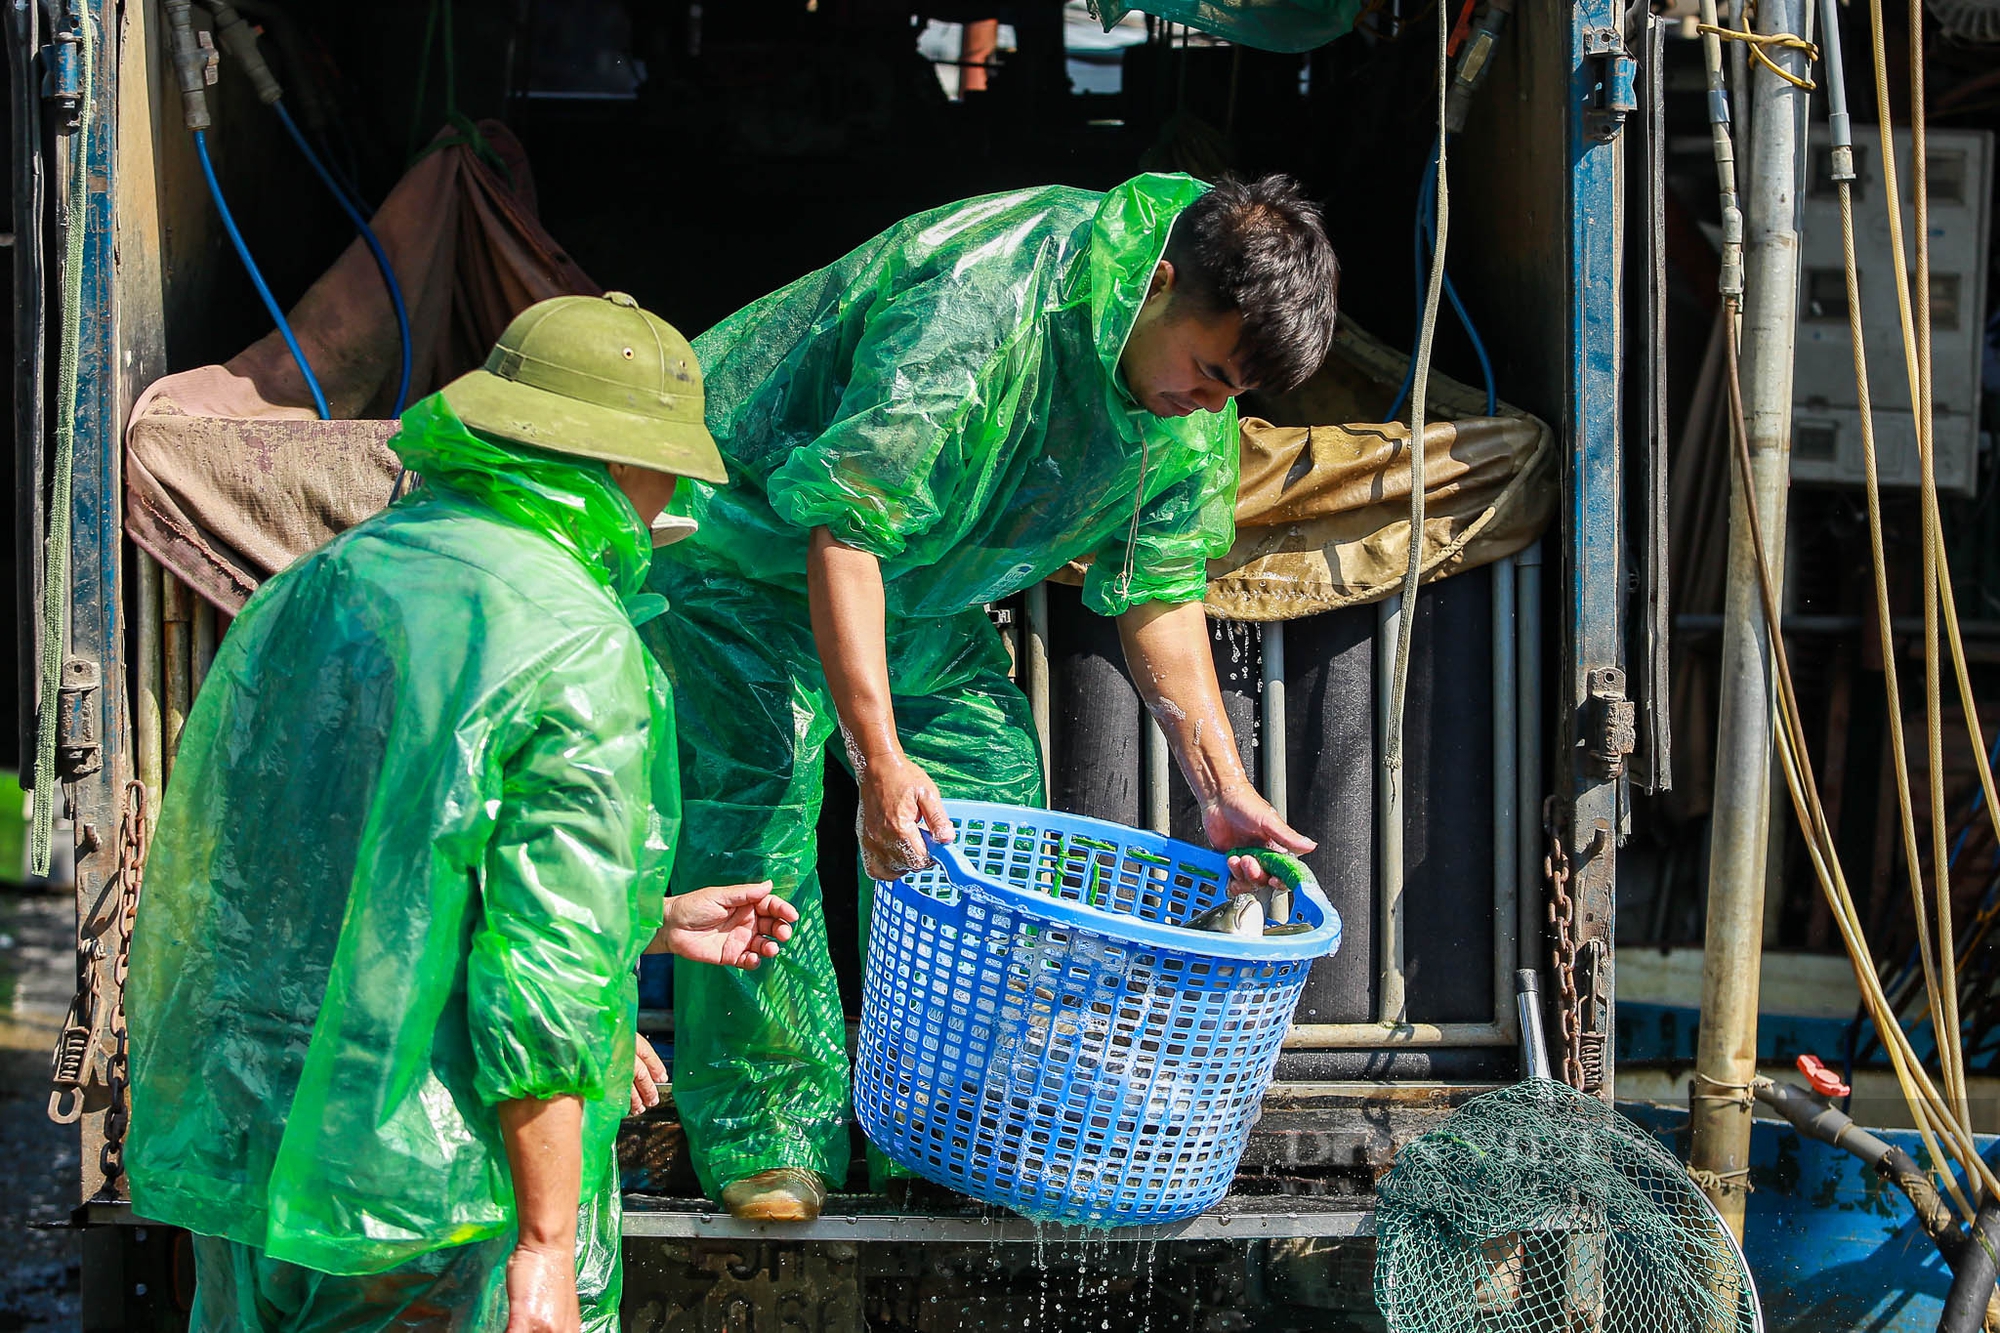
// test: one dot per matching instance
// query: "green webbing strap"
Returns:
(468, 133)
(55, 573)
(468, 136)
(424, 74)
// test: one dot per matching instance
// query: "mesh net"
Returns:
(1536, 1209)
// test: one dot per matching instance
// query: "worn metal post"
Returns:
(1277, 779)
(1528, 780)
(1035, 641)
(148, 714)
(203, 653)
(1506, 800)
(1392, 1006)
(177, 647)
(1158, 762)
(1726, 1060)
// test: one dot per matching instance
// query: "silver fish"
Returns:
(1241, 915)
(1277, 907)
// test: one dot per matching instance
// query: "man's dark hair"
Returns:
(1259, 247)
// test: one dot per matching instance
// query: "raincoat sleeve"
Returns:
(1180, 531)
(544, 984)
(925, 379)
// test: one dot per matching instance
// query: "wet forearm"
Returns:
(1167, 648)
(849, 627)
(544, 1140)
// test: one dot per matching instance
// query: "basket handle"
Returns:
(1319, 942)
(1293, 873)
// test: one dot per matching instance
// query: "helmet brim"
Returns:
(564, 425)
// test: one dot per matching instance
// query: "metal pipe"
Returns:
(146, 708)
(1727, 1053)
(1035, 610)
(192, 71)
(1739, 77)
(1387, 1036)
(1839, 126)
(1393, 1006)
(1528, 1013)
(1719, 100)
(204, 645)
(1154, 749)
(1528, 749)
(1506, 798)
(1276, 775)
(177, 644)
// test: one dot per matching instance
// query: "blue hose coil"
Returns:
(257, 278)
(347, 206)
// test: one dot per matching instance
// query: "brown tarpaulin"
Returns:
(229, 476)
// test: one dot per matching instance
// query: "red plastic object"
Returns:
(1459, 29)
(1823, 1080)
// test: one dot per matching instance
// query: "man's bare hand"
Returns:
(649, 1075)
(541, 1290)
(1239, 817)
(731, 925)
(898, 802)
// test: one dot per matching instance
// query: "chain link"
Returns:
(134, 837)
(1562, 918)
(90, 1046)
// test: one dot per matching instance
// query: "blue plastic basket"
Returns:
(1036, 1031)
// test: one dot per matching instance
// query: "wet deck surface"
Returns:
(39, 1264)
(862, 1217)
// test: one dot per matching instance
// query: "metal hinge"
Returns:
(78, 752)
(1593, 1000)
(1617, 93)
(62, 69)
(1613, 723)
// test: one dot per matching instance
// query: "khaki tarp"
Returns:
(1323, 512)
(229, 476)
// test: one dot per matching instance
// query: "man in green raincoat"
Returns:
(382, 990)
(948, 415)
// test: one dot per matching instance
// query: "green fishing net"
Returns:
(1536, 1209)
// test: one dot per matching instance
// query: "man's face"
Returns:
(1180, 359)
(649, 491)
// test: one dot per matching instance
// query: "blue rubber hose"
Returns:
(1417, 229)
(1426, 226)
(374, 246)
(257, 278)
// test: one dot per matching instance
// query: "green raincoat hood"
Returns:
(572, 501)
(948, 398)
(417, 834)
(1128, 237)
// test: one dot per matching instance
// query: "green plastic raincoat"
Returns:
(416, 838)
(948, 398)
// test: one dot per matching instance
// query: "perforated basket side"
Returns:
(1057, 1071)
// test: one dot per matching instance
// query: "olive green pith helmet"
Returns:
(598, 377)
